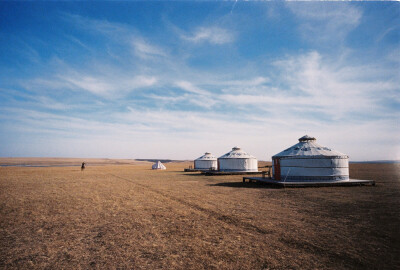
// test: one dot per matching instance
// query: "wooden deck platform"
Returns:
(229, 173)
(192, 170)
(271, 181)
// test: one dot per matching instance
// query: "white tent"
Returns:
(237, 160)
(158, 166)
(309, 161)
(206, 162)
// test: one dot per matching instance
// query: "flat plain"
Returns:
(121, 214)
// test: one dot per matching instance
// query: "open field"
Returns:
(130, 217)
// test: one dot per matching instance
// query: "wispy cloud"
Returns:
(197, 96)
(111, 29)
(189, 87)
(146, 50)
(104, 85)
(390, 30)
(160, 94)
(213, 35)
(325, 21)
(79, 42)
(118, 33)
(312, 83)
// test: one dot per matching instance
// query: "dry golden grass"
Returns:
(131, 217)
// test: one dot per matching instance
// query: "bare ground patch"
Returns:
(127, 216)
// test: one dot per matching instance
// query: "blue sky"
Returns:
(177, 79)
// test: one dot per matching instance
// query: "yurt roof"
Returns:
(158, 164)
(307, 147)
(237, 153)
(207, 156)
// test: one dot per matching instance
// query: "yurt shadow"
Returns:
(194, 174)
(184, 173)
(246, 185)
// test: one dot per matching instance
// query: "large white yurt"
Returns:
(309, 161)
(158, 166)
(206, 162)
(237, 160)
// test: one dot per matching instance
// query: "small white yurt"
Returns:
(206, 162)
(158, 166)
(237, 160)
(309, 161)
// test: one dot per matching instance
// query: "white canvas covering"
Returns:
(206, 162)
(309, 161)
(237, 160)
(158, 166)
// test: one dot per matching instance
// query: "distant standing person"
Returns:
(83, 166)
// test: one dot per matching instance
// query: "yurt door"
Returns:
(277, 169)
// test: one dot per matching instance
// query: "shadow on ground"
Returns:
(245, 185)
(193, 174)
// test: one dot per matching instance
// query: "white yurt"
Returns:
(206, 162)
(158, 166)
(237, 160)
(309, 161)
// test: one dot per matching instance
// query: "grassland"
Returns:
(130, 217)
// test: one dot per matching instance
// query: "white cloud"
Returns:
(262, 108)
(107, 86)
(88, 83)
(168, 99)
(196, 95)
(325, 21)
(256, 81)
(252, 112)
(203, 101)
(184, 135)
(118, 33)
(189, 87)
(102, 80)
(111, 29)
(79, 42)
(182, 123)
(145, 50)
(337, 88)
(140, 81)
(213, 35)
